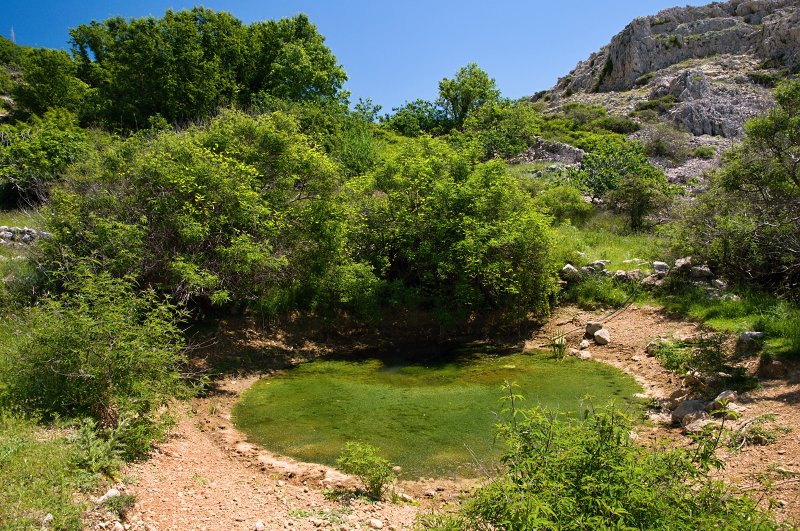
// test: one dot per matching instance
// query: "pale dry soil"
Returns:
(206, 476)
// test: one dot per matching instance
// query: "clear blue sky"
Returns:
(395, 50)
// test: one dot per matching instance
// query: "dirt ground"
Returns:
(207, 477)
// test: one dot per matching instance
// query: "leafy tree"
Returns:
(188, 63)
(460, 236)
(215, 213)
(418, 117)
(48, 81)
(467, 91)
(505, 128)
(747, 223)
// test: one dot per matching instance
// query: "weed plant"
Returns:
(362, 460)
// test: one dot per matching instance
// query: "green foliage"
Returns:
(667, 142)
(48, 81)
(621, 174)
(470, 89)
(746, 223)
(34, 155)
(462, 236)
(37, 477)
(504, 129)
(197, 61)
(661, 104)
(769, 79)
(99, 350)
(565, 203)
(588, 473)
(120, 505)
(418, 117)
(214, 213)
(704, 152)
(363, 461)
(98, 449)
(758, 431)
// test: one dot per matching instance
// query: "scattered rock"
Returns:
(584, 344)
(259, 526)
(573, 352)
(683, 264)
(699, 425)
(602, 337)
(723, 400)
(660, 269)
(111, 493)
(653, 280)
(768, 368)
(570, 273)
(47, 520)
(620, 275)
(635, 275)
(592, 327)
(688, 407)
(118, 527)
(702, 272)
(677, 396)
(585, 355)
(374, 523)
(749, 337)
(653, 347)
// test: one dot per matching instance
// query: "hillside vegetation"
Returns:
(237, 178)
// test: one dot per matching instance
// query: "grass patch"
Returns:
(37, 477)
(20, 218)
(432, 417)
(741, 310)
(604, 237)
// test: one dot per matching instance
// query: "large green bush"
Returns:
(589, 473)
(101, 350)
(461, 236)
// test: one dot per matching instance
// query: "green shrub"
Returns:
(660, 105)
(704, 152)
(615, 124)
(565, 203)
(667, 142)
(588, 473)
(362, 460)
(101, 350)
(120, 505)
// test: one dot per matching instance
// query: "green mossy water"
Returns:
(432, 419)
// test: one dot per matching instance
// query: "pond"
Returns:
(433, 418)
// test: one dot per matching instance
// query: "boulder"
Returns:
(653, 280)
(688, 407)
(719, 284)
(723, 400)
(592, 327)
(660, 269)
(602, 337)
(570, 273)
(702, 272)
(635, 275)
(620, 275)
(683, 264)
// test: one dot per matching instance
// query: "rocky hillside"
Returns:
(706, 69)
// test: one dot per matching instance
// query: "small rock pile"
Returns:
(684, 267)
(25, 235)
(695, 415)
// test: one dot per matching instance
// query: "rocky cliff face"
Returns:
(681, 52)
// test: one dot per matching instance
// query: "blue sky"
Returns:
(393, 51)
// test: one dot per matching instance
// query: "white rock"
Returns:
(374, 523)
(602, 337)
(719, 284)
(111, 493)
(260, 526)
(585, 355)
(688, 407)
(584, 344)
(118, 527)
